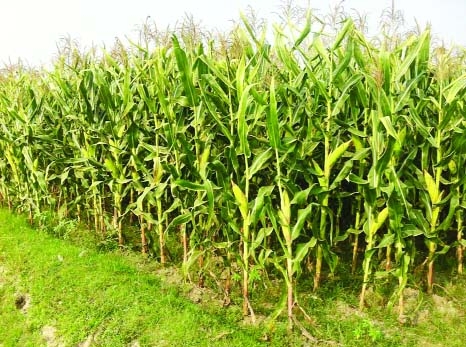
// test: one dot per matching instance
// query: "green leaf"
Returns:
(305, 32)
(343, 33)
(190, 185)
(259, 162)
(387, 123)
(298, 226)
(210, 202)
(301, 196)
(345, 93)
(403, 99)
(302, 250)
(243, 128)
(260, 236)
(443, 251)
(420, 221)
(356, 179)
(345, 61)
(240, 77)
(179, 220)
(386, 241)
(218, 90)
(412, 54)
(318, 45)
(259, 202)
(272, 119)
(142, 198)
(317, 168)
(344, 172)
(447, 221)
(452, 90)
(410, 230)
(185, 72)
(216, 117)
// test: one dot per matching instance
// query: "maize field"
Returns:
(298, 158)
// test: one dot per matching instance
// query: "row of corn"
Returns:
(269, 156)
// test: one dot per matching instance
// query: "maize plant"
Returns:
(299, 155)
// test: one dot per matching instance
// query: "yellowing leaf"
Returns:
(286, 207)
(241, 200)
(335, 155)
(431, 187)
(381, 217)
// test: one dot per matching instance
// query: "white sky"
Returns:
(30, 29)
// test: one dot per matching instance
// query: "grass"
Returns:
(82, 293)
(115, 299)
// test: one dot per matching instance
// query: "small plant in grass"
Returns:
(48, 221)
(366, 330)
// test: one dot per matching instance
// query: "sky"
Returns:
(31, 29)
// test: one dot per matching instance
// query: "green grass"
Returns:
(82, 292)
(122, 298)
